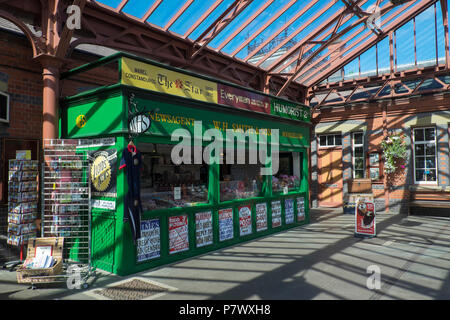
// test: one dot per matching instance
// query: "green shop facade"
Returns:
(202, 187)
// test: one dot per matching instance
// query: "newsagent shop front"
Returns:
(183, 164)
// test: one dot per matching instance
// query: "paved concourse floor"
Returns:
(323, 260)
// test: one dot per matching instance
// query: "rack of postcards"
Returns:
(22, 201)
(66, 197)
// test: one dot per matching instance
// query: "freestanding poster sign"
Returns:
(365, 220)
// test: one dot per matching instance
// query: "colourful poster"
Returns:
(300, 209)
(276, 214)
(149, 244)
(147, 76)
(203, 228)
(226, 224)
(261, 216)
(245, 220)
(365, 222)
(289, 210)
(242, 99)
(178, 234)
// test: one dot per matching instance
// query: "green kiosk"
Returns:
(219, 164)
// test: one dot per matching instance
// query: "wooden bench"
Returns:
(429, 197)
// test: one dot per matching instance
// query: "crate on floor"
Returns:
(29, 275)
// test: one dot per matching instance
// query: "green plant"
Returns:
(394, 151)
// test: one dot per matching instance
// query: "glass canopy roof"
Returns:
(310, 42)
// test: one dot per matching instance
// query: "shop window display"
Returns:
(166, 185)
(289, 173)
(240, 181)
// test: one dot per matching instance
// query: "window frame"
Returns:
(425, 142)
(8, 101)
(354, 157)
(334, 140)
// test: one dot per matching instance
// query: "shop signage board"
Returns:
(300, 208)
(290, 110)
(226, 224)
(151, 77)
(149, 244)
(261, 216)
(289, 210)
(147, 76)
(178, 234)
(365, 218)
(203, 228)
(245, 220)
(243, 99)
(103, 172)
(276, 214)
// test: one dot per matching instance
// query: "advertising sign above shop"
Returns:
(289, 110)
(150, 77)
(242, 99)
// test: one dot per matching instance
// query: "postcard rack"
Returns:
(66, 200)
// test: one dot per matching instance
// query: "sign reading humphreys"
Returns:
(290, 110)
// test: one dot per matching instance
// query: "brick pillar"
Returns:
(50, 96)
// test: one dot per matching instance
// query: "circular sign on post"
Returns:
(139, 123)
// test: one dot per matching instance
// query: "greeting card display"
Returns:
(22, 200)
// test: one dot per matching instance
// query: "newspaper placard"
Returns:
(203, 228)
(276, 213)
(289, 210)
(178, 234)
(149, 244)
(300, 208)
(226, 224)
(245, 220)
(261, 216)
(365, 218)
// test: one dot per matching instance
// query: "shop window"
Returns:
(241, 178)
(358, 156)
(330, 140)
(166, 185)
(289, 173)
(425, 170)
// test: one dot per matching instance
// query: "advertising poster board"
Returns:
(276, 213)
(226, 224)
(245, 220)
(203, 228)
(149, 244)
(300, 208)
(365, 220)
(178, 234)
(103, 172)
(289, 210)
(261, 216)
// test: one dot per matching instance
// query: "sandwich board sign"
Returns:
(365, 220)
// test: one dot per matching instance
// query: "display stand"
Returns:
(22, 204)
(66, 201)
